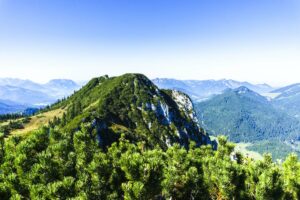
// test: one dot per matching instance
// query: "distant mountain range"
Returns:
(17, 94)
(245, 116)
(266, 117)
(10, 107)
(270, 125)
(245, 112)
(200, 90)
(288, 99)
(129, 105)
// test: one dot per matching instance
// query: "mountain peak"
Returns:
(246, 93)
(242, 90)
(133, 105)
(135, 76)
(288, 91)
(62, 82)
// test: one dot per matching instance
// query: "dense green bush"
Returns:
(49, 164)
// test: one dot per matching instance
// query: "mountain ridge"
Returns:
(26, 92)
(203, 89)
(245, 116)
(133, 105)
(288, 100)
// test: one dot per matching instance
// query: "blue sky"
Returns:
(253, 40)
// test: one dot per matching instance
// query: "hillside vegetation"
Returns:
(133, 105)
(49, 164)
(245, 116)
(37, 121)
(123, 138)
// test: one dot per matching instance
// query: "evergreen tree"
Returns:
(291, 177)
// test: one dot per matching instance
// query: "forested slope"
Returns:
(123, 138)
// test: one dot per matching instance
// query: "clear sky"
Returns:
(253, 40)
